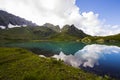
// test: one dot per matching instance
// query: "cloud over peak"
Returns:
(58, 12)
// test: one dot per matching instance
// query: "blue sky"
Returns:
(107, 9)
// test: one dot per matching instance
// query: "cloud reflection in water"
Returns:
(88, 56)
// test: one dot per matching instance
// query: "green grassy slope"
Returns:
(64, 37)
(103, 39)
(113, 38)
(20, 64)
(15, 34)
(25, 33)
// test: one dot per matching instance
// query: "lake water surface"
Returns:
(96, 58)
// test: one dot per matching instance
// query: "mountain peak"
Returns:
(68, 27)
(73, 31)
(53, 27)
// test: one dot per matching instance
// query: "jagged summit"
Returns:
(51, 26)
(73, 31)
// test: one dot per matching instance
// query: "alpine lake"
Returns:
(101, 59)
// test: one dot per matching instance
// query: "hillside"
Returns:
(20, 64)
(112, 38)
(69, 33)
(73, 31)
(26, 33)
(51, 26)
(105, 39)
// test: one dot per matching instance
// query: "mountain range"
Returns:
(33, 32)
(42, 33)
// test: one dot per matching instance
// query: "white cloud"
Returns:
(88, 56)
(12, 26)
(58, 12)
(2, 27)
(68, 59)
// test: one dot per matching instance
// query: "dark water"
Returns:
(99, 59)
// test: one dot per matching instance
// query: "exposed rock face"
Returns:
(51, 26)
(7, 18)
(73, 31)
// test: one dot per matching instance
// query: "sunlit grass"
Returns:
(20, 64)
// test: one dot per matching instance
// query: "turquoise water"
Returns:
(100, 59)
(54, 47)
